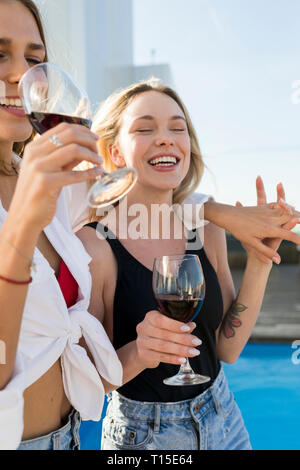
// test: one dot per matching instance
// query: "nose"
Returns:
(17, 70)
(164, 139)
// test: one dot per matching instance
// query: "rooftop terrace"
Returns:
(279, 319)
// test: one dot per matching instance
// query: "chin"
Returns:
(22, 137)
(20, 134)
(165, 188)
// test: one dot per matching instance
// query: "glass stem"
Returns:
(186, 368)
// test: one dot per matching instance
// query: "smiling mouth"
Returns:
(11, 103)
(164, 161)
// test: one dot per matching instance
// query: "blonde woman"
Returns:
(147, 127)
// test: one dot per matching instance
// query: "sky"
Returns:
(236, 64)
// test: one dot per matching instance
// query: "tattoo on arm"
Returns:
(232, 319)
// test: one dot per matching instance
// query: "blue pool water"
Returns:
(266, 385)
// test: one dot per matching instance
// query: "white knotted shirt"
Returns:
(50, 331)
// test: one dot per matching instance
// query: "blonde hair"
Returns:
(107, 125)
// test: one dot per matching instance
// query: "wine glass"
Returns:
(179, 288)
(51, 96)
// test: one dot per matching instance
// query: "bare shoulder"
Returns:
(95, 245)
(103, 265)
(103, 268)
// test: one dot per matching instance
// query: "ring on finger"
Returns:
(55, 140)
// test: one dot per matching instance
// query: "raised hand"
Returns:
(286, 215)
(48, 167)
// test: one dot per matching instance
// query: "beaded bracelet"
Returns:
(12, 281)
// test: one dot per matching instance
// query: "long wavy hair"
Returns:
(19, 147)
(107, 124)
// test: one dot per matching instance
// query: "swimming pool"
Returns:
(266, 385)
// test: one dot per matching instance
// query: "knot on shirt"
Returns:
(75, 333)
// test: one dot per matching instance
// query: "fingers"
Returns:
(280, 192)
(267, 251)
(169, 348)
(70, 154)
(291, 224)
(282, 212)
(281, 204)
(238, 204)
(185, 339)
(290, 236)
(67, 134)
(157, 320)
(284, 205)
(162, 339)
(153, 359)
(260, 191)
(78, 144)
(61, 128)
(72, 177)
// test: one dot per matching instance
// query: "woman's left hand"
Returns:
(273, 243)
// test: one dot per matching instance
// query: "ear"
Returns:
(116, 156)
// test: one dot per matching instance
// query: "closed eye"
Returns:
(33, 61)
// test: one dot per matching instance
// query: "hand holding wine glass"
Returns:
(46, 169)
(162, 339)
(50, 96)
(179, 288)
(48, 162)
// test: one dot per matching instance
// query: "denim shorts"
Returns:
(65, 438)
(210, 421)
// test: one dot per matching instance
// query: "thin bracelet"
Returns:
(32, 266)
(18, 283)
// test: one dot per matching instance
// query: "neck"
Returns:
(146, 212)
(149, 196)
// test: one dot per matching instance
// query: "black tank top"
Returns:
(134, 298)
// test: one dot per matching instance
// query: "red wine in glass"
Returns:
(51, 96)
(179, 288)
(184, 310)
(42, 122)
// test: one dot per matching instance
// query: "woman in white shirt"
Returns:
(45, 376)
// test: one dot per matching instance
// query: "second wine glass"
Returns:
(179, 289)
(51, 96)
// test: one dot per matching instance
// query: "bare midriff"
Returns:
(46, 407)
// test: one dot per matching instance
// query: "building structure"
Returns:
(94, 41)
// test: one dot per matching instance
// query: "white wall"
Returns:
(93, 40)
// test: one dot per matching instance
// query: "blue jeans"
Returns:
(65, 438)
(211, 421)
